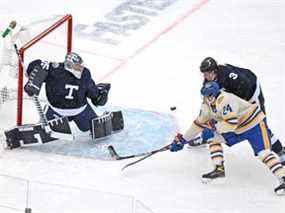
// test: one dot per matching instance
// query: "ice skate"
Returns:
(280, 190)
(218, 172)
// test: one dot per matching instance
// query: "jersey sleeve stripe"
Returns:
(232, 121)
(248, 117)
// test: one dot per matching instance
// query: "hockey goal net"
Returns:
(47, 38)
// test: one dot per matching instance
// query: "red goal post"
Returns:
(67, 19)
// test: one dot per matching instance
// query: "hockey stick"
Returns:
(116, 156)
(147, 154)
(35, 98)
(9, 29)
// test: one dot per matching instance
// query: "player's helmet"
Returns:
(208, 64)
(74, 64)
(211, 88)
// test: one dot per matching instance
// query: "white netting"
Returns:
(20, 35)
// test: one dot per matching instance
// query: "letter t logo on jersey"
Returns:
(71, 88)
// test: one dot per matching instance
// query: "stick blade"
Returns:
(126, 166)
(113, 152)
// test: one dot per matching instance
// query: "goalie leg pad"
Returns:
(107, 123)
(117, 121)
(102, 126)
(60, 128)
(26, 135)
(60, 125)
(12, 138)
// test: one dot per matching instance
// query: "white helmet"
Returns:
(74, 64)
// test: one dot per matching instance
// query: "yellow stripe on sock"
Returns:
(264, 135)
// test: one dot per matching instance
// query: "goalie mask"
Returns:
(74, 64)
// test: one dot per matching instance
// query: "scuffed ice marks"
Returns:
(128, 16)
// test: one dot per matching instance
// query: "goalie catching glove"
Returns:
(102, 97)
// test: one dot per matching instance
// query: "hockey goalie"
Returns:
(68, 86)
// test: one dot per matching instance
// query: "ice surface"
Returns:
(153, 68)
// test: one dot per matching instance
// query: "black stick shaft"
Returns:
(147, 155)
(115, 155)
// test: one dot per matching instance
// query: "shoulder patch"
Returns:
(220, 99)
(55, 64)
(45, 65)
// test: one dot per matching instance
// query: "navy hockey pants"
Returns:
(82, 120)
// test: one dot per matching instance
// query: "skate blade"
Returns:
(219, 180)
(280, 192)
(202, 146)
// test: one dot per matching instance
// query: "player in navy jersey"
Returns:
(68, 85)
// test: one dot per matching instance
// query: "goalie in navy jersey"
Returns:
(68, 85)
(243, 83)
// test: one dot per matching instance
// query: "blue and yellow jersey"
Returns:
(232, 114)
(236, 114)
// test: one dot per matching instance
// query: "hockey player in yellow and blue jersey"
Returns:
(243, 83)
(237, 120)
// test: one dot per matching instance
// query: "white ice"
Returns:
(154, 68)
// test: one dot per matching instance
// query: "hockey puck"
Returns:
(173, 108)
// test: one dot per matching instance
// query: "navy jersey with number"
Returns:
(63, 89)
(236, 80)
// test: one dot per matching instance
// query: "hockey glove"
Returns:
(102, 98)
(178, 143)
(208, 134)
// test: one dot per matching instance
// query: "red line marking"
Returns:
(166, 30)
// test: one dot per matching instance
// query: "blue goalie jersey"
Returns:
(63, 89)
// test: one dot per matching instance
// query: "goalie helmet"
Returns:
(74, 64)
(208, 64)
(210, 89)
